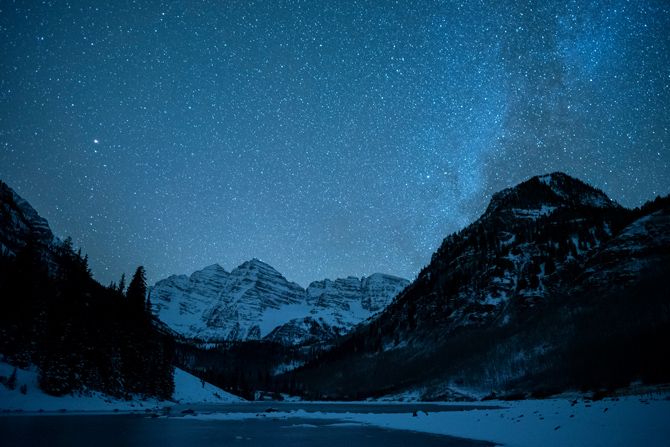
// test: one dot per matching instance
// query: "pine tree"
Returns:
(66, 248)
(122, 285)
(136, 296)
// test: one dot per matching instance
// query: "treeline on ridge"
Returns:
(80, 335)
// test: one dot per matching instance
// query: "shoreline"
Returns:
(612, 422)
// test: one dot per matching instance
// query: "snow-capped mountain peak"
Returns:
(577, 191)
(255, 279)
(541, 195)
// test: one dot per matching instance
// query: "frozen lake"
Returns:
(102, 430)
(328, 407)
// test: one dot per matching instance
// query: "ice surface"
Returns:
(628, 421)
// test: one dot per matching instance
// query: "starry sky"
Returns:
(326, 138)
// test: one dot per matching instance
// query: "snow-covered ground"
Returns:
(568, 421)
(628, 421)
(188, 389)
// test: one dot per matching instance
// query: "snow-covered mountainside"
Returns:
(181, 300)
(255, 302)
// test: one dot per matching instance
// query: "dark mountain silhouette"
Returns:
(555, 287)
(80, 335)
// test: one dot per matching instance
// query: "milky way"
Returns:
(327, 138)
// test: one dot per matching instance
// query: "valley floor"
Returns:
(567, 421)
(626, 421)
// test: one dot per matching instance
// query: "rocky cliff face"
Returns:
(336, 307)
(20, 223)
(250, 291)
(371, 293)
(523, 250)
(255, 301)
(376, 290)
(339, 293)
(180, 300)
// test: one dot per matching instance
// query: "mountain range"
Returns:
(555, 287)
(255, 302)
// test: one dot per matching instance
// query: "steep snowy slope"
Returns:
(514, 257)
(339, 293)
(251, 289)
(335, 307)
(196, 294)
(377, 289)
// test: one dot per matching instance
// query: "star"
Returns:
(311, 137)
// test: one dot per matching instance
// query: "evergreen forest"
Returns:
(81, 335)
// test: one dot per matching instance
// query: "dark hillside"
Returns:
(80, 335)
(528, 296)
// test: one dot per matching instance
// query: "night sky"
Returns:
(326, 138)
